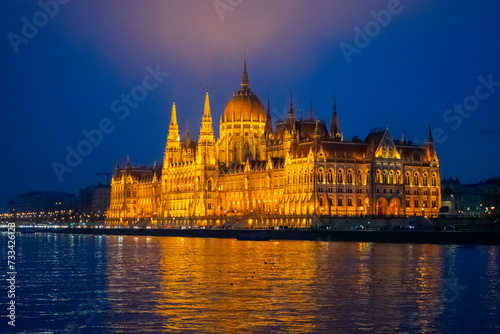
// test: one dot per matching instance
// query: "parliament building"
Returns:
(297, 174)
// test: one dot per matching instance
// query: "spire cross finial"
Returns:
(244, 78)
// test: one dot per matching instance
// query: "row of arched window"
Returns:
(388, 177)
(382, 177)
(417, 180)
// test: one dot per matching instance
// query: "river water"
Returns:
(125, 284)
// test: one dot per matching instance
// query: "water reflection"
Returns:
(197, 285)
(289, 286)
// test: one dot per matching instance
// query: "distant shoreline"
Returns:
(383, 236)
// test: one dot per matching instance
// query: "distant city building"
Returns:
(94, 200)
(477, 200)
(39, 205)
(254, 175)
(42, 201)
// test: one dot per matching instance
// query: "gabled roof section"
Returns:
(386, 147)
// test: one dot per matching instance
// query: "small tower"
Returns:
(206, 170)
(206, 141)
(335, 127)
(173, 147)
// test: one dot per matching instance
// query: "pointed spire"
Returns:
(206, 131)
(128, 162)
(173, 119)
(403, 139)
(173, 129)
(335, 126)
(188, 135)
(291, 115)
(430, 145)
(311, 117)
(117, 169)
(206, 109)
(244, 78)
(268, 130)
(301, 107)
(316, 128)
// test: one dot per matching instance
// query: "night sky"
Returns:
(402, 63)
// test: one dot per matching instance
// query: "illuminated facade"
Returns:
(254, 175)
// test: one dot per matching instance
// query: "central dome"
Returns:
(245, 105)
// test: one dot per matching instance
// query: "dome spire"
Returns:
(244, 78)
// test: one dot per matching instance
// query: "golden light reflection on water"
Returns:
(224, 285)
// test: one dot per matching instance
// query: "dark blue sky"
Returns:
(63, 78)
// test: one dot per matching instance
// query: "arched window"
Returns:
(340, 177)
(311, 176)
(293, 179)
(407, 178)
(415, 179)
(359, 178)
(384, 174)
(424, 180)
(321, 176)
(330, 201)
(305, 176)
(128, 193)
(391, 177)
(433, 180)
(349, 201)
(398, 177)
(339, 201)
(209, 185)
(349, 176)
(379, 177)
(330, 176)
(407, 202)
(320, 201)
(416, 203)
(300, 176)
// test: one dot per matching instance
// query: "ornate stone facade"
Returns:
(298, 174)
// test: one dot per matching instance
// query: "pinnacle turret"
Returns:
(173, 129)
